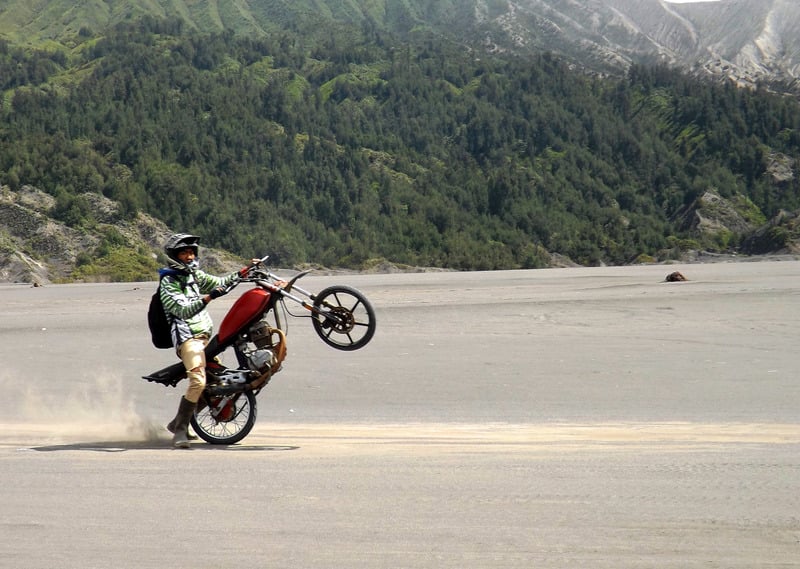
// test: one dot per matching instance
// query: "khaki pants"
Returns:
(193, 356)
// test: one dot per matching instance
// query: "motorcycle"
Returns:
(255, 329)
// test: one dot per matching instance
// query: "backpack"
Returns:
(160, 329)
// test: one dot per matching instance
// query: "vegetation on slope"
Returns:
(344, 145)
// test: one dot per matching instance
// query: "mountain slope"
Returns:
(36, 21)
(344, 144)
(355, 146)
(745, 40)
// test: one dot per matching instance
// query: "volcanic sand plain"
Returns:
(578, 417)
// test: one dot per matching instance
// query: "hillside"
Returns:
(35, 22)
(747, 41)
(354, 145)
(36, 248)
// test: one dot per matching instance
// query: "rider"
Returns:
(185, 292)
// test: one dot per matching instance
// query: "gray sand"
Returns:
(588, 418)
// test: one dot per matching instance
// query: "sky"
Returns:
(688, 1)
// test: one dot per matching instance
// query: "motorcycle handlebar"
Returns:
(261, 275)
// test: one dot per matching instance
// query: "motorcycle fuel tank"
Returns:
(247, 307)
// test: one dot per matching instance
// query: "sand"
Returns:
(555, 418)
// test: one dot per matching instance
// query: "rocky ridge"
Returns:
(35, 248)
(746, 41)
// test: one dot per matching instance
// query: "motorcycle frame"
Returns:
(263, 278)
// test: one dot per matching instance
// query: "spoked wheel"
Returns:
(227, 419)
(345, 319)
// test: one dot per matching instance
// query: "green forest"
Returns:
(349, 145)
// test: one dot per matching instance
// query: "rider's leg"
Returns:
(192, 354)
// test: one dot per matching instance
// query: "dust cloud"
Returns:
(99, 408)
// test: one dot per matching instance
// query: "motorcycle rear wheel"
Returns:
(346, 319)
(225, 420)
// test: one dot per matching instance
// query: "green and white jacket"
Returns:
(182, 294)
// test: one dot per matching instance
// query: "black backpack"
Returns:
(160, 329)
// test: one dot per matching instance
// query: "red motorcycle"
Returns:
(255, 329)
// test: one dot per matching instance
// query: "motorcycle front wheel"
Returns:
(343, 318)
(225, 420)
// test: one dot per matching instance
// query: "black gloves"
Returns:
(217, 292)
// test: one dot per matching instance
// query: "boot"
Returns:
(189, 434)
(181, 422)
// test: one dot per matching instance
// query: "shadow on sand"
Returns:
(122, 446)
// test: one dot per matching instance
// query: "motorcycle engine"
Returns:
(258, 348)
(260, 360)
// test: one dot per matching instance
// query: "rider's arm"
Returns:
(175, 300)
(206, 283)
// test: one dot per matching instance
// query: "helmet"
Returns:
(177, 243)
